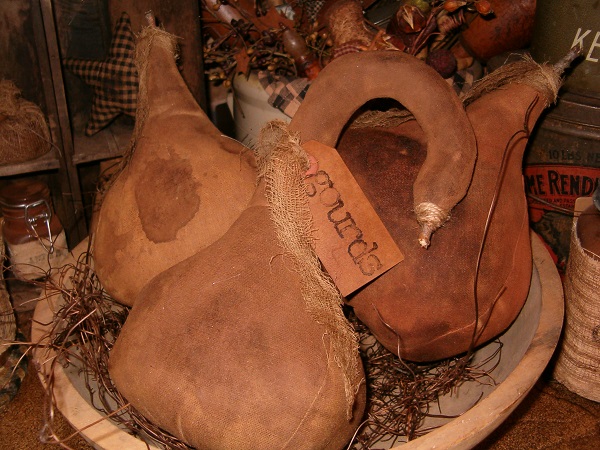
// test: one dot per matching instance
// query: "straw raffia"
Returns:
(24, 132)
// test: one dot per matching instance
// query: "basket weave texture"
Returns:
(578, 364)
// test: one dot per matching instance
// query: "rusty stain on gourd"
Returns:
(169, 186)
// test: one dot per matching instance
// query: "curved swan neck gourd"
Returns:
(451, 145)
(471, 284)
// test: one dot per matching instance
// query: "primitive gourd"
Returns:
(244, 344)
(425, 308)
(183, 186)
(233, 329)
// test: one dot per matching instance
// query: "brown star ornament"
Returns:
(114, 80)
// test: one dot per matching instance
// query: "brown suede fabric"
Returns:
(221, 352)
(181, 190)
(424, 308)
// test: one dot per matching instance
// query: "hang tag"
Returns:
(350, 239)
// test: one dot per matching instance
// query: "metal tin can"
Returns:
(562, 162)
(561, 25)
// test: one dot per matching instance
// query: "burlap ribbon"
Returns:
(282, 163)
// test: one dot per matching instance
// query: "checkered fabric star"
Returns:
(115, 80)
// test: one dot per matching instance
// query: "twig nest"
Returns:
(24, 132)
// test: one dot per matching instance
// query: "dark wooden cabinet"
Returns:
(63, 98)
(41, 81)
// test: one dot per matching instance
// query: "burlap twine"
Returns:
(282, 163)
(24, 131)
(544, 78)
(346, 23)
(578, 364)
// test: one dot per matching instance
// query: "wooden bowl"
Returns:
(70, 394)
(527, 348)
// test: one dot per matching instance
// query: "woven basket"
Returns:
(578, 363)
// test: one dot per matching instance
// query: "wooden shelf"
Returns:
(72, 148)
(110, 142)
(48, 161)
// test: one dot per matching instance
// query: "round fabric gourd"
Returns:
(244, 345)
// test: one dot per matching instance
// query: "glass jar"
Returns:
(34, 236)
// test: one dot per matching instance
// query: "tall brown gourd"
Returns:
(244, 345)
(183, 186)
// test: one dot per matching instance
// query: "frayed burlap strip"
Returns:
(544, 78)
(282, 163)
(578, 364)
(24, 131)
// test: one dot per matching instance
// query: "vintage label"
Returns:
(351, 241)
(552, 190)
(31, 260)
(558, 185)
